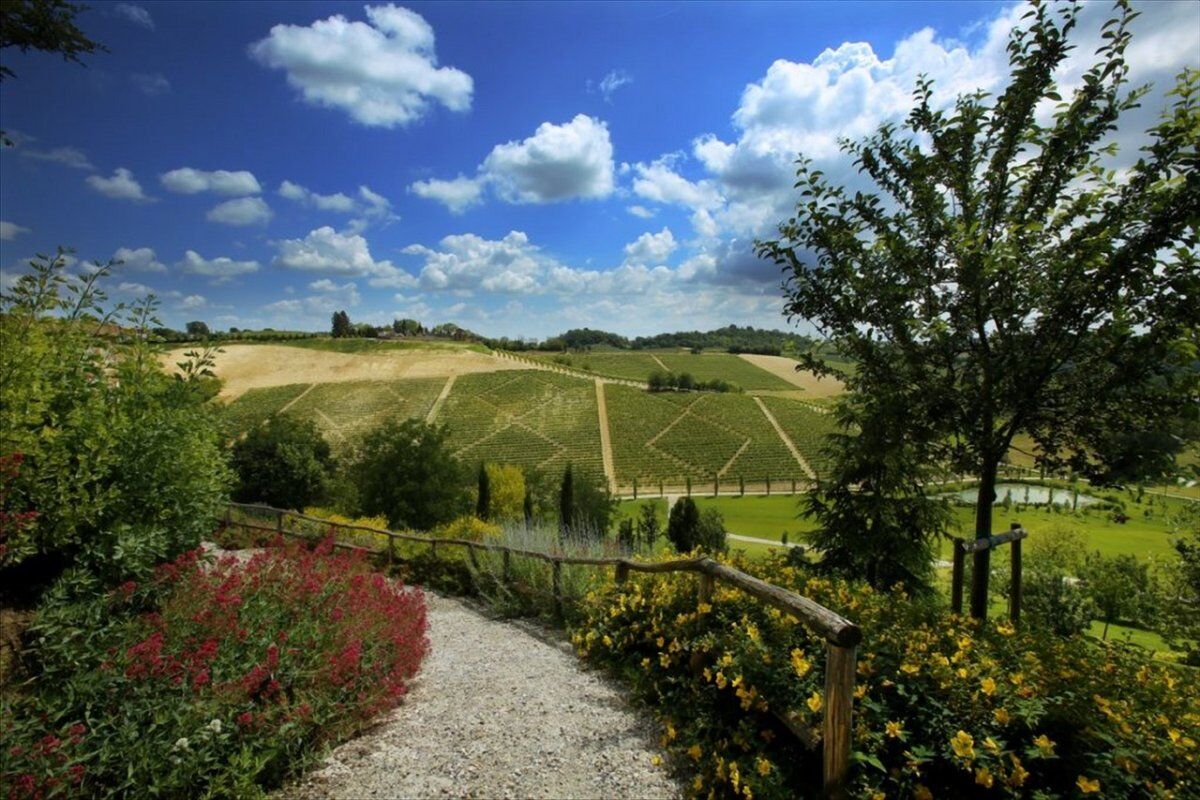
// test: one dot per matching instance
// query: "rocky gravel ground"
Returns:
(499, 710)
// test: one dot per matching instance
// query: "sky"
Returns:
(515, 168)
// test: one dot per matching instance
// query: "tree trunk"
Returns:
(1104, 636)
(981, 564)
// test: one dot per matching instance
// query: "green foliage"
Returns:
(1122, 589)
(285, 462)
(593, 506)
(121, 463)
(340, 326)
(506, 485)
(1053, 598)
(483, 494)
(1003, 279)
(404, 471)
(45, 25)
(875, 521)
(566, 501)
(945, 706)
(683, 525)
(710, 532)
(198, 330)
(1180, 604)
(648, 526)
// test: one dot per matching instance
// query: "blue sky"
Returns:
(516, 168)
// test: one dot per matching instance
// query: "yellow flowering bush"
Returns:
(944, 706)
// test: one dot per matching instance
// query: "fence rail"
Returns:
(841, 635)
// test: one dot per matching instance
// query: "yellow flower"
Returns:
(894, 729)
(1019, 774)
(814, 702)
(695, 752)
(764, 766)
(607, 640)
(671, 734)
(721, 680)
(656, 760)
(1001, 716)
(984, 777)
(1045, 745)
(963, 745)
(664, 659)
(659, 642)
(800, 664)
(987, 686)
(910, 669)
(962, 672)
(1087, 785)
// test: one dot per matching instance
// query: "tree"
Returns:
(284, 462)
(566, 501)
(1052, 596)
(527, 507)
(506, 489)
(683, 525)
(710, 532)
(1180, 604)
(1002, 279)
(1121, 588)
(46, 25)
(404, 471)
(648, 526)
(341, 326)
(875, 521)
(625, 535)
(483, 496)
(198, 330)
(594, 505)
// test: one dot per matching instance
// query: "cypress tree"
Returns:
(528, 508)
(566, 501)
(483, 505)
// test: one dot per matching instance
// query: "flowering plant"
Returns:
(215, 678)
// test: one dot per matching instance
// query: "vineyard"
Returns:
(544, 420)
(638, 365)
(532, 418)
(698, 436)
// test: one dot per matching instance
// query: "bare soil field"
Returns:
(254, 366)
(813, 386)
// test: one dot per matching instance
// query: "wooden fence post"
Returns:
(840, 666)
(707, 583)
(391, 554)
(279, 523)
(1014, 594)
(474, 558)
(956, 578)
(622, 573)
(506, 556)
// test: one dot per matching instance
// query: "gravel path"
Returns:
(497, 712)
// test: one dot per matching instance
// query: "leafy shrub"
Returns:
(210, 679)
(120, 463)
(403, 470)
(285, 462)
(945, 706)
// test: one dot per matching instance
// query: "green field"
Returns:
(531, 418)
(256, 405)
(805, 426)
(637, 365)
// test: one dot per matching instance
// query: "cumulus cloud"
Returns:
(651, 248)
(327, 297)
(193, 301)
(642, 211)
(658, 182)
(121, 186)
(240, 212)
(11, 230)
(324, 202)
(141, 259)
(187, 180)
(382, 72)
(559, 162)
(135, 14)
(150, 84)
(221, 268)
(457, 195)
(327, 251)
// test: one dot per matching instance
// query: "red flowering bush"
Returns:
(211, 678)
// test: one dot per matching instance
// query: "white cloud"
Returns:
(559, 162)
(324, 202)
(659, 182)
(642, 211)
(324, 250)
(457, 195)
(67, 156)
(383, 73)
(135, 14)
(11, 230)
(328, 297)
(141, 259)
(221, 268)
(150, 84)
(121, 186)
(187, 180)
(242, 211)
(651, 248)
(614, 80)
(193, 301)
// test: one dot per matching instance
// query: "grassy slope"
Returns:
(638, 364)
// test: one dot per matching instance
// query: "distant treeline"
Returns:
(732, 338)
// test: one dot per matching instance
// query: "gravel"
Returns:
(499, 709)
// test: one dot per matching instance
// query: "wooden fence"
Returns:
(841, 636)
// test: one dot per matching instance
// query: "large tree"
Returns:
(1004, 278)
